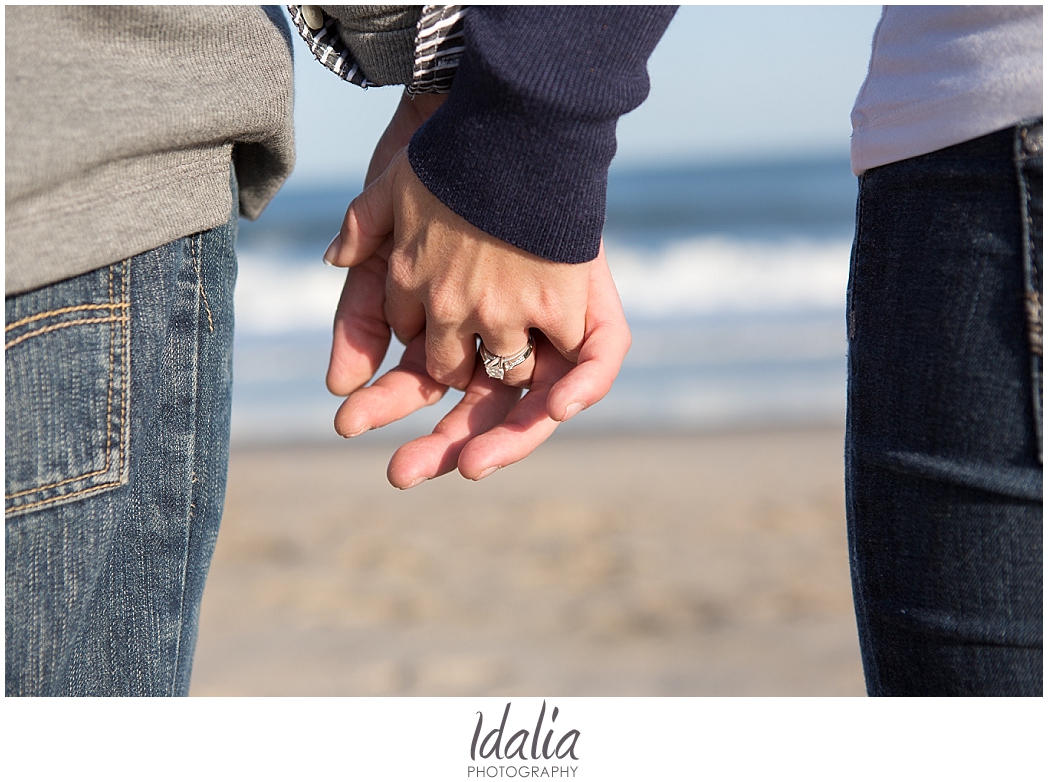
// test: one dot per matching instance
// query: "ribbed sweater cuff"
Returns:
(536, 182)
(522, 146)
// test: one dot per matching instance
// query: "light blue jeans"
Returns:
(117, 437)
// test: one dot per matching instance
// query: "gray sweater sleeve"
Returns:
(127, 143)
(381, 39)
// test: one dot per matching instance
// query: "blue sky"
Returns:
(728, 82)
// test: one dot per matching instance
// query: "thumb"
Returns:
(369, 219)
(361, 335)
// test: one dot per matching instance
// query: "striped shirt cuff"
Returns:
(439, 44)
(320, 33)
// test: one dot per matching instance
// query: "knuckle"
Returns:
(442, 373)
(489, 310)
(442, 307)
(401, 271)
(405, 328)
(366, 215)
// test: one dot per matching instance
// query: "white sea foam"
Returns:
(778, 355)
(714, 275)
(275, 298)
(702, 276)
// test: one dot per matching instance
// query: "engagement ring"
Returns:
(497, 366)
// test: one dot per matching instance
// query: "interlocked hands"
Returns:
(436, 281)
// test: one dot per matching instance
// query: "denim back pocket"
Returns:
(68, 362)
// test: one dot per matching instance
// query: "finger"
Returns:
(361, 335)
(526, 426)
(451, 354)
(485, 404)
(562, 318)
(368, 220)
(403, 311)
(395, 395)
(519, 376)
(566, 334)
(590, 381)
(600, 358)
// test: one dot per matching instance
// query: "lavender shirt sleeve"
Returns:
(522, 146)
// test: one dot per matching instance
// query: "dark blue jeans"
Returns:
(943, 454)
(117, 429)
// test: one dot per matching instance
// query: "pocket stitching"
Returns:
(41, 315)
(65, 324)
(125, 331)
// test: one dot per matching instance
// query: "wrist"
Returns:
(419, 108)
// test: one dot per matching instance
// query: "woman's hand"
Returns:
(492, 426)
(456, 282)
(439, 282)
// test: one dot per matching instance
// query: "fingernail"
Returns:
(358, 432)
(331, 253)
(486, 473)
(572, 409)
(416, 482)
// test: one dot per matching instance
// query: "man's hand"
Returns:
(454, 282)
(492, 426)
(361, 336)
(411, 113)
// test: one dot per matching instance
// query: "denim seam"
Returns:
(1033, 299)
(195, 251)
(109, 401)
(860, 600)
(64, 310)
(853, 262)
(125, 387)
(198, 268)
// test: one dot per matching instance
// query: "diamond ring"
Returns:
(497, 366)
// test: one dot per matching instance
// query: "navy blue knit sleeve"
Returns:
(522, 146)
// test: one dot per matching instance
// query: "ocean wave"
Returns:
(274, 297)
(716, 275)
(696, 277)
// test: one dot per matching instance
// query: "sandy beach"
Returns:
(708, 564)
